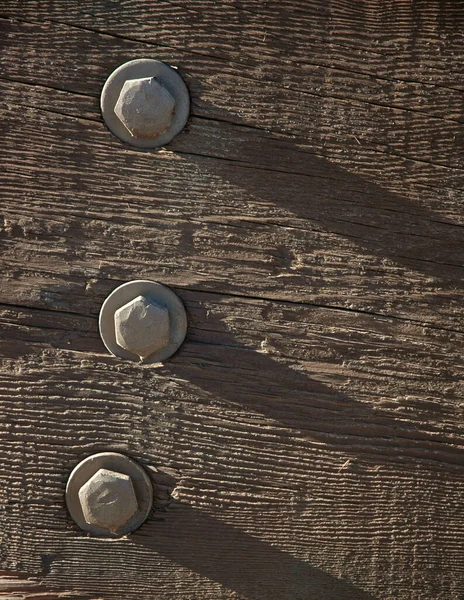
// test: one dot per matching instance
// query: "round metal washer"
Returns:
(160, 294)
(138, 69)
(113, 462)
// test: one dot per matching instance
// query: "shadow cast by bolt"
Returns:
(242, 376)
(238, 561)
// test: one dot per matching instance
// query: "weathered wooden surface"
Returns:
(306, 442)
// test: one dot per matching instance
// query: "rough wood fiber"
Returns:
(306, 442)
(16, 587)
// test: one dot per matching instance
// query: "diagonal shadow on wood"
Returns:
(243, 376)
(407, 247)
(379, 223)
(238, 561)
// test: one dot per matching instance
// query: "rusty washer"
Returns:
(145, 102)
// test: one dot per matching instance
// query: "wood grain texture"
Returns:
(306, 441)
(18, 587)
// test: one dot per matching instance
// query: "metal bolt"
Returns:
(108, 500)
(145, 102)
(143, 321)
(145, 107)
(108, 494)
(142, 327)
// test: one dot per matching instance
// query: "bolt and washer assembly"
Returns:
(143, 321)
(109, 494)
(145, 102)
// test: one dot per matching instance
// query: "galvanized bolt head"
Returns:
(145, 103)
(145, 107)
(108, 500)
(142, 326)
(144, 321)
(108, 494)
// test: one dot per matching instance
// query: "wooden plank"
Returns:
(229, 91)
(394, 42)
(373, 352)
(253, 462)
(311, 235)
(306, 441)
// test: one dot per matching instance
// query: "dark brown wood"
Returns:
(306, 441)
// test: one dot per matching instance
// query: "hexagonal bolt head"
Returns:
(145, 107)
(108, 500)
(142, 327)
